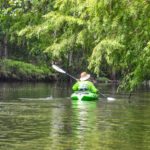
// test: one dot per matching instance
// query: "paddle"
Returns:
(62, 71)
(108, 98)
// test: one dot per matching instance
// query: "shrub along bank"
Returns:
(17, 70)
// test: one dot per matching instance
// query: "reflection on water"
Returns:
(40, 116)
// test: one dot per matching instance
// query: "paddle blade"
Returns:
(58, 69)
(110, 98)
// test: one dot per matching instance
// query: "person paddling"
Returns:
(84, 85)
(84, 76)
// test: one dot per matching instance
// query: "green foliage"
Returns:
(108, 49)
(22, 71)
(102, 36)
(140, 73)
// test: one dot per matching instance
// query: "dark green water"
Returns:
(42, 117)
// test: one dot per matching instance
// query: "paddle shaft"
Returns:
(71, 76)
(102, 94)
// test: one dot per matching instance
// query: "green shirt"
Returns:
(84, 85)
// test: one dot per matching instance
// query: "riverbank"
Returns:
(11, 70)
(21, 71)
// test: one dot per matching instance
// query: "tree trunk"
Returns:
(113, 75)
(22, 5)
(110, 4)
(29, 5)
(70, 58)
(1, 50)
(55, 33)
(5, 47)
(5, 52)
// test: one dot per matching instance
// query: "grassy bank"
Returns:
(16, 70)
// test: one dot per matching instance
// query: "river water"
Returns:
(41, 116)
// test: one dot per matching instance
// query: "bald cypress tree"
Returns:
(101, 36)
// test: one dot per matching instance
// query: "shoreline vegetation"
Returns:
(12, 70)
(20, 71)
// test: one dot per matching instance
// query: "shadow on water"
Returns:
(41, 116)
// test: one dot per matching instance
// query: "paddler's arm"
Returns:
(92, 87)
(75, 86)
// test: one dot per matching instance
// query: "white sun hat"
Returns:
(84, 76)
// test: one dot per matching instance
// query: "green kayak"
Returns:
(84, 96)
